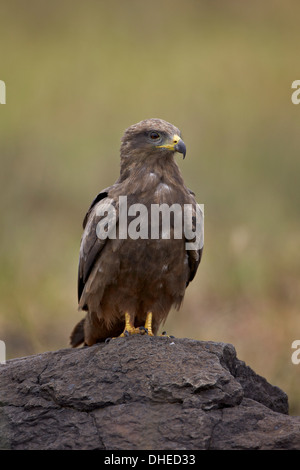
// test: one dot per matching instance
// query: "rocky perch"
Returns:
(144, 393)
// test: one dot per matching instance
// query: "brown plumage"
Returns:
(120, 281)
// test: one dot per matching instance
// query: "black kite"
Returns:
(128, 285)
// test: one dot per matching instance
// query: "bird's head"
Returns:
(152, 137)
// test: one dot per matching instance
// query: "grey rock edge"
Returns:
(140, 392)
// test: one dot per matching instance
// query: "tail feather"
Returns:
(77, 335)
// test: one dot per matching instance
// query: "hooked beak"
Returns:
(177, 145)
(180, 147)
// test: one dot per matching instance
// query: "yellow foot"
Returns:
(129, 327)
(131, 330)
(148, 324)
(164, 334)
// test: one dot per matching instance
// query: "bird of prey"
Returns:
(127, 285)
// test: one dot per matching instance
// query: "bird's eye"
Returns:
(154, 135)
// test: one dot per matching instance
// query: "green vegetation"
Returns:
(77, 74)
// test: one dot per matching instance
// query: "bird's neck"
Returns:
(143, 175)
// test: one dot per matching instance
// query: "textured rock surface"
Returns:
(142, 393)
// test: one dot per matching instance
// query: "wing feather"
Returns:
(91, 245)
(195, 255)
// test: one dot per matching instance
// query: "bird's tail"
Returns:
(77, 335)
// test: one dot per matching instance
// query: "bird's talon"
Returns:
(107, 340)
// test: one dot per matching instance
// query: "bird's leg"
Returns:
(148, 324)
(129, 327)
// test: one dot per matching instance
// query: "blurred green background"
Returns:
(77, 75)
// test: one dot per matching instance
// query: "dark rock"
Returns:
(142, 393)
